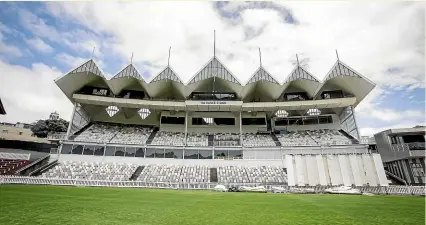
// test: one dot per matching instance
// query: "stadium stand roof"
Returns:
(213, 76)
(2, 110)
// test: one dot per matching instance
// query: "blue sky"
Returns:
(42, 41)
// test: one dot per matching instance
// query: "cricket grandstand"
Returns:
(212, 132)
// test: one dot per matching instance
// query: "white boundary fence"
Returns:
(390, 190)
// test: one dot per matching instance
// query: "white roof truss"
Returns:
(262, 74)
(214, 68)
(167, 74)
(341, 69)
(299, 73)
(89, 66)
(129, 71)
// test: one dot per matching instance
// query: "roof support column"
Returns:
(186, 125)
(241, 130)
(71, 120)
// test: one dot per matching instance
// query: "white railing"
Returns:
(57, 136)
(408, 147)
(20, 156)
(390, 190)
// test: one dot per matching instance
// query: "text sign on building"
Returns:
(213, 103)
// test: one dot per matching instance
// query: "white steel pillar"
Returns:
(241, 130)
(70, 124)
(186, 125)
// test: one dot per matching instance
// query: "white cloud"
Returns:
(70, 61)
(39, 45)
(9, 50)
(77, 39)
(29, 94)
(6, 49)
(386, 35)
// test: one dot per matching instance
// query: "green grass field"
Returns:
(21, 204)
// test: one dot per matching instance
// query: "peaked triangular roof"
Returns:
(128, 71)
(167, 74)
(341, 69)
(89, 66)
(262, 74)
(299, 73)
(214, 68)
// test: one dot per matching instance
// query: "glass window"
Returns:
(110, 151)
(77, 149)
(140, 152)
(235, 154)
(66, 149)
(159, 153)
(323, 120)
(205, 154)
(191, 154)
(88, 150)
(310, 120)
(169, 153)
(220, 154)
(99, 150)
(119, 151)
(130, 152)
(178, 153)
(150, 153)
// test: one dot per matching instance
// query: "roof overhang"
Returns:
(2, 110)
(214, 105)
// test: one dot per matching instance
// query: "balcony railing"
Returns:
(415, 146)
(56, 136)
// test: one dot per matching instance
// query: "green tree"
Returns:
(43, 127)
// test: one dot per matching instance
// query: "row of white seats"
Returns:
(329, 137)
(175, 174)
(194, 139)
(296, 138)
(91, 171)
(99, 133)
(257, 140)
(169, 138)
(251, 174)
(132, 135)
(166, 173)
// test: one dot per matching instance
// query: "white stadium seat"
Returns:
(257, 140)
(329, 137)
(91, 171)
(169, 138)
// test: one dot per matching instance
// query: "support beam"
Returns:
(186, 126)
(71, 120)
(241, 130)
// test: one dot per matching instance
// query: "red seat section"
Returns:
(9, 166)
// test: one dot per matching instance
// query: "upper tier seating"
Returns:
(296, 138)
(227, 139)
(98, 132)
(169, 138)
(91, 171)
(9, 166)
(193, 139)
(329, 137)
(175, 174)
(132, 135)
(251, 174)
(251, 140)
